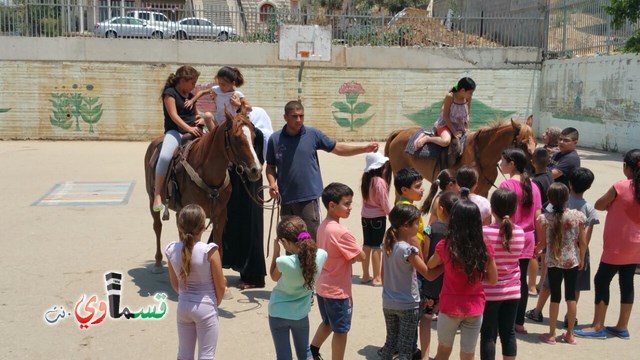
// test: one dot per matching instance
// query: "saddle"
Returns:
(171, 189)
(445, 156)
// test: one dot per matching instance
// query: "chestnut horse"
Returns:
(482, 150)
(209, 156)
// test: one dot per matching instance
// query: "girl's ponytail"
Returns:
(400, 215)
(519, 159)
(190, 223)
(390, 238)
(428, 202)
(506, 232)
(503, 204)
(187, 248)
(558, 195)
(442, 181)
(632, 160)
(307, 257)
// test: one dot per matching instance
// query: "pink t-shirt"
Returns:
(341, 246)
(525, 217)
(377, 205)
(508, 286)
(621, 245)
(458, 297)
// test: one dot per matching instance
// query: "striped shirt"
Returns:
(508, 286)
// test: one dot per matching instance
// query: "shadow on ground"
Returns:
(150, 283)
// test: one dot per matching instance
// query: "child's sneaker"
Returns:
(534, 315)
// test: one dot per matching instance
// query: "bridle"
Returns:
(476, 150)
(240, 169)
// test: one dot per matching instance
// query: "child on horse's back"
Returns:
(454, 115)
(224, 94)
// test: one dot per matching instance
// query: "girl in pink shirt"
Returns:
(375, 208)
(466, 261)
(621, 249)
(514, 162)
(507, 241)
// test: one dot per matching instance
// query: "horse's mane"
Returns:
(495, 124)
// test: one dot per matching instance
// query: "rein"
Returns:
(258, 200)
(261, 202)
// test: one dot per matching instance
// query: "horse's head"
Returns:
(238, 143)
(524, 137)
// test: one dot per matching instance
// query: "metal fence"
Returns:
(52, 18)
(582, 27)
(562, 28)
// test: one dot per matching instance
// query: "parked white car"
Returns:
(189, 28)
(128, 27)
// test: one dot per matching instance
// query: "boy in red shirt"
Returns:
(334, 283)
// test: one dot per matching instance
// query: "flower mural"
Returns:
(355, 110)
(70, 107)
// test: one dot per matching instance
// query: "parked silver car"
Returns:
(189, 28)
(128, 27)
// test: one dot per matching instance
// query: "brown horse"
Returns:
(482, 150)
(209, 156)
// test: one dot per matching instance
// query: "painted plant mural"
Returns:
(351, 113)
(70, 106)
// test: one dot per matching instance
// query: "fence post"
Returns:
(564, 27)
(464, 33)
(545, 33)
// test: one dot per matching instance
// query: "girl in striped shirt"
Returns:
(507, 240)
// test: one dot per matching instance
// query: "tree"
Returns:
(622, 11)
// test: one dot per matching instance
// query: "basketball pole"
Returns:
(300, 81)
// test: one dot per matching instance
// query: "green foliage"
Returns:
(61, 117)
(68, 107)
(353, 108)
(480, 115)
(622, 11)
(51, 27)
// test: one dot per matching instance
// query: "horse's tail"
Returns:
(389, 140)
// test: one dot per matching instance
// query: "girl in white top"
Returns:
(224, 94)
(195, 272)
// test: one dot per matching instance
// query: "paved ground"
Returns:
(55, 255)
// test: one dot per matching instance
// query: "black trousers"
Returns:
(498, 318)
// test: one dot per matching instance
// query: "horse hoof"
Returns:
(165, 214)
(157, 270)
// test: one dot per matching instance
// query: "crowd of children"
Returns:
(466, 267)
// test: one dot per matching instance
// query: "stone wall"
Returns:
(599, 96)
(69, 88)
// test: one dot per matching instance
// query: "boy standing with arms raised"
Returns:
(334, 283)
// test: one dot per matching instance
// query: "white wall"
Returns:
(599, 96)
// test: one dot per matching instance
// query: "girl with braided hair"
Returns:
(290, 300)
(195, 272)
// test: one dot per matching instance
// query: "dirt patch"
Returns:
(417, 28)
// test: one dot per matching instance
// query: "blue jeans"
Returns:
(299, 329)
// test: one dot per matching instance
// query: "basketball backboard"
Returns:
(305, 43)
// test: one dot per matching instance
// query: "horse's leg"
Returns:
(157, 228)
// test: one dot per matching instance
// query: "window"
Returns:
(160, 17)
(265, 10)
